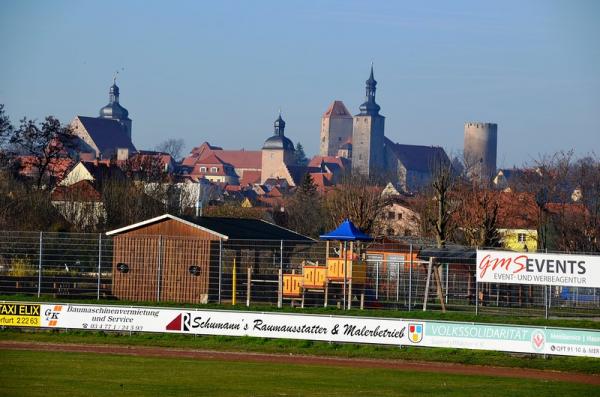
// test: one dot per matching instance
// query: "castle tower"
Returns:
(480, 147)
(277, 152)
(115, 111)
(367, 134)
(336, 128)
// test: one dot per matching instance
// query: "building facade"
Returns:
(336, 129)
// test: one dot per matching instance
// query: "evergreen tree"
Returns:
(299, 155)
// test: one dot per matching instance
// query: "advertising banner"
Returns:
(19, 314)
(542, 269)
(385, 331)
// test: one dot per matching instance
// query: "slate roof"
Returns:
(107, 134)
(417, 157)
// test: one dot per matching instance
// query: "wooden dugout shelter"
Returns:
(175, 259)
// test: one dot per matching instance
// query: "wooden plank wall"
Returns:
(178, 284)
(141, 255)
(181, 246)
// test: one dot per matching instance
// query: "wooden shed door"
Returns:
(178, 284)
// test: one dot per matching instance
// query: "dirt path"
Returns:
(420, 366)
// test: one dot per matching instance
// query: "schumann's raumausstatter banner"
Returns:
(543, 269)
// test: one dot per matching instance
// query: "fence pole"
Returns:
(39, 292)
(220, 269)
(99, 263)
(546, 302)
(345, 271)
(429, 269)
(159, 269)
(233, 284)
(377, 280)
(280, 291)
(410, 252)
(447, 272)
(249, 286)
(476, 296)
(398, 281)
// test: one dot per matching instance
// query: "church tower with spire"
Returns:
(367, 135)
(114, 110)
(277, 153)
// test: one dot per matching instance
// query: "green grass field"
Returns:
(27, 373)
(298, 347)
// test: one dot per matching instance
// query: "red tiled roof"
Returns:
(250, 177)
(82, 191)
(209, 159)
(337, 110)
(242, 158)
(57, 168)
(247, 159)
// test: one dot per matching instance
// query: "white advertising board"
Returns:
(386, 331)
(542, 269)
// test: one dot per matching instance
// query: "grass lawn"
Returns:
(27, 373)
(286, 346)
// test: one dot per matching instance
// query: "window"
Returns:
(391, 215)
(214, 169)
(522, 237)
(202, 169)
(399, 215)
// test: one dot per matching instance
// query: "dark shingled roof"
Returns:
(464, 255)
(247, 229)
(228, 228)
(416, 157)
(108, 135)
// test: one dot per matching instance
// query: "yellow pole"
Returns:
(233, 284)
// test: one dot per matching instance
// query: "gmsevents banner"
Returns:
(542, 269)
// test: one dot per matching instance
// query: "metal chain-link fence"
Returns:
(388, 274)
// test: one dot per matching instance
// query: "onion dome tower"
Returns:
(278, 141)
(115, 111)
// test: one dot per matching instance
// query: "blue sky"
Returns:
(219, 71)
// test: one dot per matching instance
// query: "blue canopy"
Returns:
(346, 231)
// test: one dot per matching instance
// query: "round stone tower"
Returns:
(481, 144)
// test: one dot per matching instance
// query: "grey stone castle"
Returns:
(408, 167)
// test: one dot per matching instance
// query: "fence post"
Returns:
(398, 282)
(429, 269)
(39, 292)
(410, 252)
(159, 269)
(447, 273)
(249, 286)
(280, 291)
(476, 295)
(220, 268)
(546, 302)
(99, 263)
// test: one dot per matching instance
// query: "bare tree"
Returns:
(45, 144)
(356, 199)
(172, 146)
